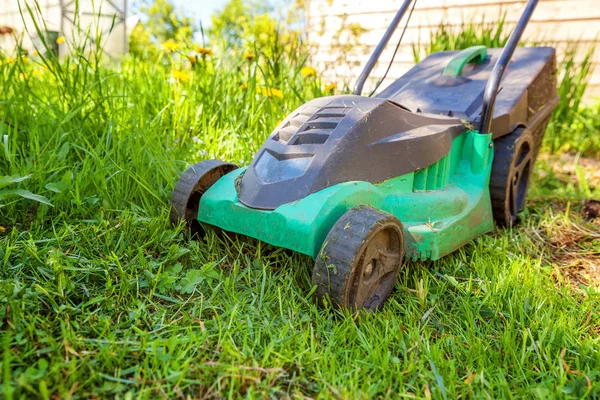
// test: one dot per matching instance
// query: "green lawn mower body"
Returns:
(442, 206)
(361, 183)
(430, 171)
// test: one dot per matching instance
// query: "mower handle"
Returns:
(493, 83)
(471, 55)
(380, 47)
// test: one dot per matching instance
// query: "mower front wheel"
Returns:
(196, 180)
(360, 259)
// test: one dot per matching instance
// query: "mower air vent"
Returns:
(319, 126)
(310, 125)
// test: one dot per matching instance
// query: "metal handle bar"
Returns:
(380, 47)
(493, 83)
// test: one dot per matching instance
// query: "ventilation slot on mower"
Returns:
(310, 125)
(291, 127)
(312, 137)
(333, 112)
(317, 130)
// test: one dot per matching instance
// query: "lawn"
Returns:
(101, 296)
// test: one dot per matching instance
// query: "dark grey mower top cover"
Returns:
(528, 85)
(339, 139)
(408, 126)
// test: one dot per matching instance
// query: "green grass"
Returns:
(100, 296)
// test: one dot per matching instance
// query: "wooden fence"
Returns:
(345, 32)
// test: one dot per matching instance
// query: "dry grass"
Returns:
(572, 236)
(574, 252)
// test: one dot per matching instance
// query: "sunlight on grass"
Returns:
(101, 297)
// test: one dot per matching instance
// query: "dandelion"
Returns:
(249, 56)
(244, 86)
(277, 93)
(193, 60)
(180, 76)
(60, 40)
(205, 52)
(25, 59)
(37, 72)
(36, 53)
(171, 46)
(271, 92)
(330, 88)
(308, 72)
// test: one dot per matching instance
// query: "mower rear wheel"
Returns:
(185, 199)
(514, 157)
(360, 259)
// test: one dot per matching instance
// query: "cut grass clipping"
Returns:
(101, 297)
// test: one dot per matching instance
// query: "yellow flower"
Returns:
(249, 56)
(22, 76)
(36, 53)
(171, 46)
(2, 229)
(203, 51)
(9, 60)
(180, 76)
(193, 59)
(330, 88)
(243, 86)
(60, 40)
(308, 72)
(37, 72)
(24, 59)
(271, 92)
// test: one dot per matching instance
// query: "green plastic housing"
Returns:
(442, 207)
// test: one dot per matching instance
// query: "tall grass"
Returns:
(109, 122)
(467, 34)
(573, 125)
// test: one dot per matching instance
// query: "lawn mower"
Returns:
(364, 183)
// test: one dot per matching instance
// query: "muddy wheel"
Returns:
(514, 157)
(185, 199)
(360, 259)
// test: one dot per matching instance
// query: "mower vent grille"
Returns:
(310, 125)
(434, 177)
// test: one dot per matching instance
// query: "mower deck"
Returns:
(442, 207)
